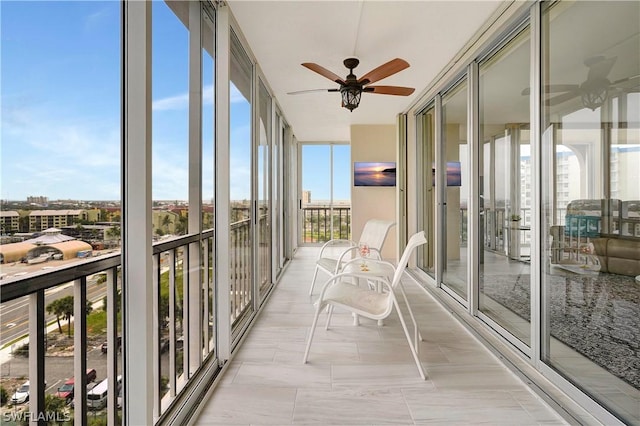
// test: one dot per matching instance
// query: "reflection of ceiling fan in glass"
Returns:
(595, 90)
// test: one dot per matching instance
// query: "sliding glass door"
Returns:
(591, 197)
(240, 183)
(325, 193)
(263, 214)
(427, 216)
(504, 232)
(454, 176)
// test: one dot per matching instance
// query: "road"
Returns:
(59, 368)
(14, 315)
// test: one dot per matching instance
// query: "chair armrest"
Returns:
(334, 242)
(341, 258)
(376, 251)
(360, 275)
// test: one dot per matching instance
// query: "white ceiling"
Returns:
(284, 34)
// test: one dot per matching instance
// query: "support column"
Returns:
(222, 243)
(137, 291)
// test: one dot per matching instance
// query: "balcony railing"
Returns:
(240, 268)
(24, 299)
(323, 223)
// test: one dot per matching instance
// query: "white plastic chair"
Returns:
(371, 302)
(374, 234)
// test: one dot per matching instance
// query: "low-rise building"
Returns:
(9, 222)
(39, 220)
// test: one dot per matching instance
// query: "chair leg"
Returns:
(418, 336)
(313, 280)
(411, 346)
(356, 319)
(329, 313)
(313, 329)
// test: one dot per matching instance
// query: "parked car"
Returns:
(91, 375)
(66, 390)
(97, 397)
(21, 395)
(104, 348)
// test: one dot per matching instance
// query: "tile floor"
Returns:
(364, 375)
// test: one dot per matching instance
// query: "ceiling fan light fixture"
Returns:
(350, 97)
(595, 98)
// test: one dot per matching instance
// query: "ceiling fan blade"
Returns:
(390, 90)
(298, 92)
(599, 67)
(384, 71)
(555, 88)
(562, 98)
(624, 80)
(324, 72)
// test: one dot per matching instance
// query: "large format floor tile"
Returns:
(364, 375)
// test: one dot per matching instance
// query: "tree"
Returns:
(118, 301)
(54, 409)
(79, 228)
(114, 232)
(23, 221)
(166, 221)
(4, 396)
(182, 225)
(54, 308)
(63, 308)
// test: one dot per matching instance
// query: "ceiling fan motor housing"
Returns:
(351, 63)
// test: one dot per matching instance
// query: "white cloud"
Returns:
(236, 96)
(181, 101)
(170, 176)
(171, 103)
(59, 157)
(100, 18)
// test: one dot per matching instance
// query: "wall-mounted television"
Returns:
(454, 173)
(374, 173)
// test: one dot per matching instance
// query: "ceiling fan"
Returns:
(351, 87)
(595, 90)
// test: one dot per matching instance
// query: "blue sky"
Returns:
(60, 88)
(316, 172)
(60, 99)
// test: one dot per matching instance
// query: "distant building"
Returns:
(9, 222)
(88, 232)
(39, 220)
(39, 200)
(306, 197)
(91, 215)
(51, 245)
(112, 214)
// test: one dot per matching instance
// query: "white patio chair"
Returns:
(370, 302)
(374, 234)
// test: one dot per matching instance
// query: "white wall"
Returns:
(374, 143)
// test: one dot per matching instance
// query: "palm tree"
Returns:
(114, 232)
(166, 221)
(54, 308)
(64, 308)
(182, 225)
